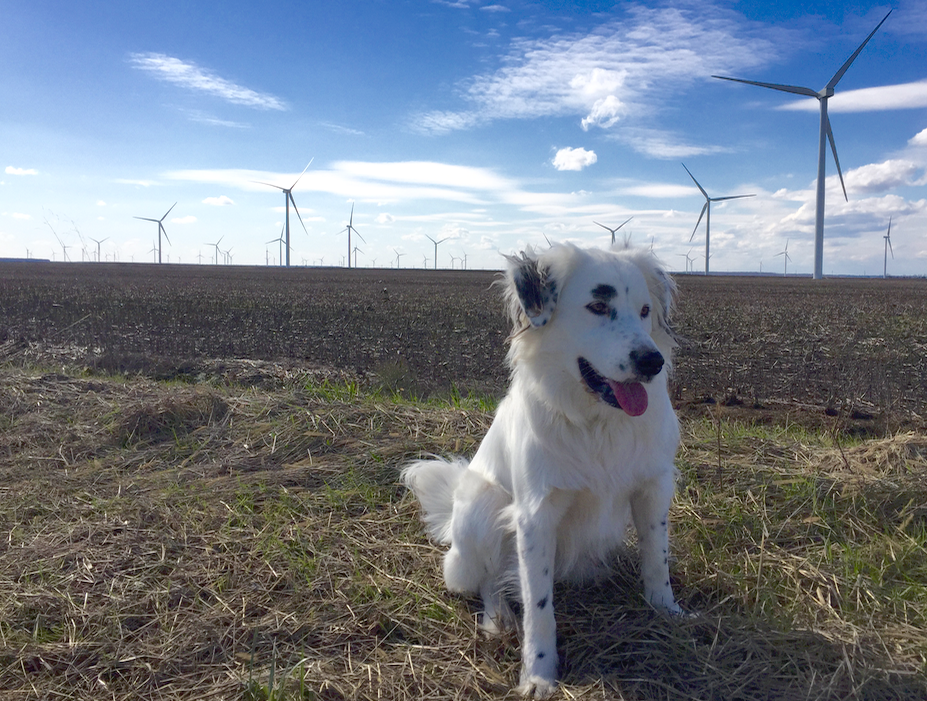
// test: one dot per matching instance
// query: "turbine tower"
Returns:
(161, 229)
(288, 198)
(786, 259)
(706, 208)
(98, 245)
(888, 247)
(822, 96)
(349, 228)
(613, 231)
(436, 248)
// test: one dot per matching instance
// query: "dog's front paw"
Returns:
(536, 687)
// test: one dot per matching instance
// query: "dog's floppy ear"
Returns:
(532, 291)
(662, 290)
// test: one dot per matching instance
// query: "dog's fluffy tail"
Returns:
(433, 482)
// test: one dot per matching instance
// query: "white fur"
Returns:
(561, 473)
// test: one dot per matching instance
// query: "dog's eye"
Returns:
(598, 308)
(645, 311)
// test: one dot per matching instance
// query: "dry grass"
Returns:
(214, 540)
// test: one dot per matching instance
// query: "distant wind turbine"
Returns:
(608, 228)
(281, 241)
(822, 96)
(888, 247)
(216, 246)
(436, 249)
(288, 198)
(398, 255)
(349, 228)
(161, 229)
(785, 252)
(98, 245)
(356, 250)
(706, 209)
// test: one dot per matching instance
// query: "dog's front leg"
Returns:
(650, 509)
(536, 536)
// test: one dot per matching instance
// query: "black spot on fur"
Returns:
(542, 604)
(540, 655)
(604, 292)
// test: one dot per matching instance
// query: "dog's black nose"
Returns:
(647, 363)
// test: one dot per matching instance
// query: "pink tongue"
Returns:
(632, 397)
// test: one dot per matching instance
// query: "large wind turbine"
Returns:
(98, 245)
(288, 198)
(349, 228)
(706, 208)
(436, 248)
(822, 96)
(888, 247)
(613, 231)
(161, 229)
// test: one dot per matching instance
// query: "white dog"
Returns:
(583, 442)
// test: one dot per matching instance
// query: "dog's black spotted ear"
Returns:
(534, 289)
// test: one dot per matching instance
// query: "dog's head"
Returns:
(600, 318)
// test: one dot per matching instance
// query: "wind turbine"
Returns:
(822, 96)
(288, 198)
(279, 240)
(608, 228)
(349, 228)
(436, 248)
(356, 249)
(98, 245)
(706, 208)
(216, 246)
(888, 247)
(398, 255)
(787, 258)
(161, 228)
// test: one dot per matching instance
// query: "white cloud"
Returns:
(495, 8)
(221, 201)
(919, 139)
(101, 203)
(385, 218)
(188, 75)
(887, 97)
(19, 215)
(623, 67)
(880, 177)
(10, 170)
(189, 219)
(574, 159)
(605, 113)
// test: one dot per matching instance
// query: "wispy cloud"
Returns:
(221, 201)
(189, 219)
(879, 99)
(187, 74)
(11, 170)
(624, 69)
(574, 159)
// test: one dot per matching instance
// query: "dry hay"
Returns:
(169, 541)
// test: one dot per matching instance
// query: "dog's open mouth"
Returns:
(628, 396)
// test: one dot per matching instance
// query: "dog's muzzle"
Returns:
(631, 397)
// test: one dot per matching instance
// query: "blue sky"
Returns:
(489, 124)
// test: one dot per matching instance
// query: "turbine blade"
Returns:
(605, 227)
(887, 235)
(303, 173)
(890, 248)
(704, 207)
(701, 189)
(796, 89)
(730, 197)
(290, 195)
(832, 83)
(833, 148)
(260, 182)
(142, 218)
(164, 231)
(168, 212)
(624, 222)
(359, 236)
